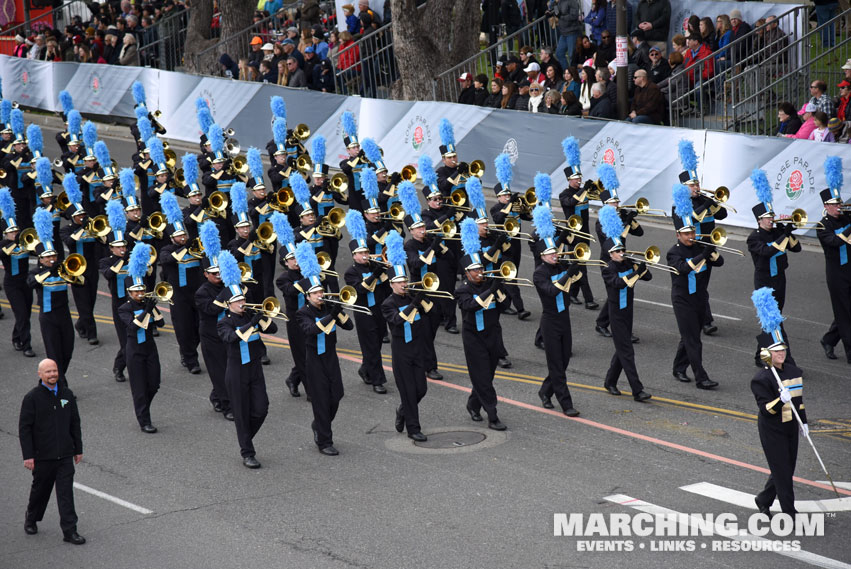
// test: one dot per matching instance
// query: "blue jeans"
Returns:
(565, 44)
(642, 119)
(824, 14)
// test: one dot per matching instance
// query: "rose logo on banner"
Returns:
(512, 150)
(25, 77)
(608, 151)
(795, 185)
(94, 84)
(795, 178)
(609, 156)
(417, 132)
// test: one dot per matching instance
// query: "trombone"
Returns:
(582, 254)
(72, 268)
(218, 204)
(572, 224)
(717, 238)
(429, 285)
(380, 258)
(642, 206)
(324, 260)
(246, 274)
(458, 198)
(270, 308)
(508, 271)
(475, 169)
(719, 196)
(448, 231)
(347, 297)
(395, 213)
(408, 173)
(302, 132)
(511, 227)
(163, 291)
(651, 256)
(799, 220)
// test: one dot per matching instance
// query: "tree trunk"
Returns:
(431, 40)
(198, 34)
(236, 15)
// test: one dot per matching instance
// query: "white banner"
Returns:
(28, 82)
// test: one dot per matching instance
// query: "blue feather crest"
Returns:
(7, 204)
(238, 198)
(140, 112)
(155, 148)
(542, 219)
(833, 172)
(115, 214)
(396, 249)
(370, 150)
(229, 269)
(34, 139)
(5, 111)
(317, 149)
(168, 203)
(474, 193)
(201, 105)
(504, 169)
(570, 148)
(279, 108)
(306, 259)
(409, 199)
(611, 222)
(17, 121)
(283, 229)
(766, 309)
(90, 134)
(190, 168)
(447, 133)
(369, 183)
(279, 131)
(608, 177)
(72, 189)
(44, 173)
(75, 120)
(146, 131)
(349, 125)
(138, 93)
(43, 223)
(687, 156)
(127, 180)
(137, 266)
(543, 188)
(255, 164)
(355, 224)
(66, 101)
(682, 200)
(102, 154)
(205, 120)
(760, 183)
(216, 138)
(426, 169)
(299, 187)
(210, 240)
(470, 236)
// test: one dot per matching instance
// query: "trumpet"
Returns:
(72, 268)
(196, 248)
(270, 308)
(642, 206)
(324, 260)
(301, 131)
(448, 230)
(218, 204)
(508, 271)
(347, 297)
(429, 284)
(281, 200)
(395, 213)
(458, 198)
(156, 225)
(304, 164)
(572, 224)
(511, 227)
(163, 291)
(62, 201)
(582, 254)
(98, 226)
(717, 238)
(799, 220)
(246, 274)
(28, 239)
(720, 197)
(651, 256)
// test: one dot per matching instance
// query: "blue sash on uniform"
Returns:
(623, 291)
(152, 180)
(843, 249)
(580, 208)
(480, 314)
(407, 326)
(320, 338)
(692, 278)
(243, 348)
(370, 297)
(300, 299)
(140, 333)
(119, 284)
(772, 263)
(80, 242)
(181, 271)
(424, 268)
(16, 259)
(49, 286)
(224, 185)
(92, 187)
(560, 296)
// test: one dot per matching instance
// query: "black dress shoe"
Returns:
(29, 353)
(194, 369)
(828, 350)
(613, 389)
(635, 339)
(524, 314)
(292, 387)
(30, 527)
(250, 462)
(19, 347)
(642, 396)
(329, 451)
(710, 328)
(150, 429)
(379, 389)
(94, 341)
(363, 376)
(264, 359)
(75, 538)
(707, 384)
(81, 334)
(228, 415)
(540, 344)
(762, 508)
(575, 300)
(546, 402)
(217, 406)
(509, 311)
(571, 412)
(417, 437)
(385, 340)
(118, 375)
(400, 420)
(504, 363)
(603, 331)
(474, 415)
(681, 376)
(434, 374)
(452, 329)
(591, 305)
(496, 425)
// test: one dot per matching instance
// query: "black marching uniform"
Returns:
(143, 359)
(294, 298)
(183, 273)
(114, 271)
(77, 239)
(706, 212)
(631, 227)
(835, 241)
(16, 270)
(431, 255)
(499, 213)
(575, 202)
(57, 329)
(210, 311)
(370, 282)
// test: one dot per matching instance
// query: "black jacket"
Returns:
(49, 425)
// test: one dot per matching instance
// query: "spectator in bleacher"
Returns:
(808, 125)
(606, 48)
(36, 52)
(129, 54)
(272, 6)
(536, 98)
(789, 121)
(324, 81)
(268, 52)
(612, 18)
(740, 29)
(230, 69)
(569, 27)
(320, 46)
(510, 15)
(467, 95)
(278, 53)
(370, 21)
(348, 60)
(514, 71)
(533, 73)
(111, 48)
(571, 82)
(527, 56)
(522, 102)
(648, 103)
(723, 36)
(268, 72)
(246, 72)
(552, 102)
(352, 21)
(583, 51)
(494, 98)
(480, 91)
(311, 14)
(499, 69)
(678, 43)
(654, 19)
(820, 133)
(596, 18)
(283, 73)
(509, 95)
(707, 32)
(586, 77)
(826, 11)
(305, 39)
(548, 60)
(841, 130)
(291, 51)
(297, 77)
(846, 69)
(696, 52)
(552, 80)
(603, 76)
(641, 56)
(773, 41)
(601, 107)
(841, 102)
(659, 67)
(310, 62)
(692, 26)
(819, 97)
(256, 54)
(570, 105)
(53, 53)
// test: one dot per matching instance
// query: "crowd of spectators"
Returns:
(823, 118)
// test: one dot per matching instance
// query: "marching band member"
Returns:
(163, 182)
(356, 161)
(205, 121)
(43, 179)
(15, 260)
(72, 159)
(449, 176)
(319, 191)
(89, 178)
(63, 136)
(197, 211)
(259, 212)
(294, 147)
(138, 91)
(244, 247)
(17, 164)
(108, 176)
(113, 267)
(282, 165)
(144, 168)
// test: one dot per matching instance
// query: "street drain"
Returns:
(449, 439)
(452, 439)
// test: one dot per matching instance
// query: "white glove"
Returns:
(805, 430)
(785, 396)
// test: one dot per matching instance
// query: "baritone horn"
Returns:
(156, 225)
(72, 268)
(429, 284)
(98, 226)
(717, 238)
(269, 308)
(232, 147)
(395, 213)
(508, 271)
(339, 183)
(218, 204)
(409, 173)
(163, 291)
(652, 255)
(304, 164)
(62, 201)
(28, 239)
(302, 131)
(246, 275)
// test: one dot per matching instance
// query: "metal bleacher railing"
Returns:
(162, 45)
(57, 18)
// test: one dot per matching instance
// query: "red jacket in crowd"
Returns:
(692, 58)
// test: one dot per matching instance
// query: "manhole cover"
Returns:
(453, 439)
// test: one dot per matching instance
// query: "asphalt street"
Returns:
(385, 502)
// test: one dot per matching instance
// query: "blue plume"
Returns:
(504, 171)
(766, 309)
(137, 266)
(201, 106)
(90, 134)
(426, 169)
(355, 224)
(102, 154)
(279, 131)
(609, 177)
(687, 156)
(306, 258)
(44, 173)
(168, 204)
(474, 193)
(75, 119)
(210, 239)
(833, 172)
(543, 188)
(238, 198)
(115, 213)
(371, 150)
(255, 164)
(409, 199)
(43, 223)
(283, 229)
(570, 148)
(447, 133)
(72, 189)
(396, 249)
(205, 120)
(146, 131)
(5, 111)
(139, 93)
(17, 121)
(611, 222)
(279, 108)
(190, 168)
(140, 112)
(300, 189)
(542, 219)
(229, 269)
(470, 236)
(155, 148)
(349, 126)
(34, 139)
(216, 138)
(7, 204)
(369, 183)
(127, 180)
(66, 101)
(682, 200)
(760, 183)
(317, 149)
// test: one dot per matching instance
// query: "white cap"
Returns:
(847, 64)
(267, 46)
(532, 67)
(465, 77)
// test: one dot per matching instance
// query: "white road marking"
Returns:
(654, 303)
(800, 555)
(845, 485)
(112, 499)
(745, 500)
